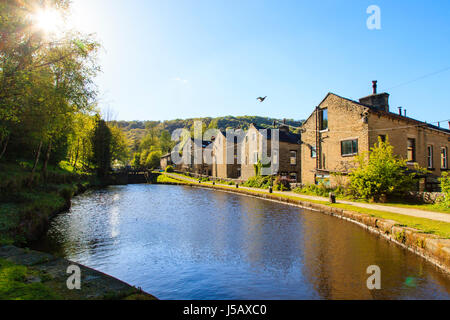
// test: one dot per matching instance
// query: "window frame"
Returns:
(353, 153)
(291, 157)
(275, 157)
(313, 150)
(430, 156)
(255, 157)
(412, 149)
(296, 176)
(444, 158)
(321, 119)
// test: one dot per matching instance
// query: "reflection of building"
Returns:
(288, 155)
(339, 129)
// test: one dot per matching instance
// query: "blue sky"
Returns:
(181, 59)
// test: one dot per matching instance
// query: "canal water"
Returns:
(179, 242)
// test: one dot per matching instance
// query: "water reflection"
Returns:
(186, 243)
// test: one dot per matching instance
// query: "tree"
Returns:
(380, 173)
(101, 142)
(153, 160)
(445, 186)
(43, 80)
(119, 145)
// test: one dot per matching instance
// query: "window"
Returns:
(430, 157)
(293, 158)
(349, 147)
(313, 152)
(382, 137)
(255, 157)
(323, 119)
(411, 155)
(254, 137)
(275, 157)
(293, 176)
(444, 158)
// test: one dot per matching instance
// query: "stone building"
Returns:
(340, 128)
(287, 158)
(201, 167)
(225, 165)
(166, 160)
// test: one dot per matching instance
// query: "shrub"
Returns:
(445, 186)
(169, 169)
(281, 185)
(320, 190)
(380, 174)
(258, 182)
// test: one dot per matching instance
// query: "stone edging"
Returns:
(430, 247)
(95, 285)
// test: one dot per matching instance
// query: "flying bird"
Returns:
(261, 99)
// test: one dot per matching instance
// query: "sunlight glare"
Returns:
(49, 21)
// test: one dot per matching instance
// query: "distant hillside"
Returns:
(136, 130)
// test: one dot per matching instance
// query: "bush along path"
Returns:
(429, 238)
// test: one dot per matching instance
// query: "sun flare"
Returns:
(49, 21)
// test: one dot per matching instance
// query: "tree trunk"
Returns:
(47, 157)
(76, 155)
(36, 161)
(4, 147)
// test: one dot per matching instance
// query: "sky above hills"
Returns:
(183, 59)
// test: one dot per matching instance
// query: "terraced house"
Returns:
(287, 157)
(340, 128)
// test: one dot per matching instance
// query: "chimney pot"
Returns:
(400, 110)
(374, 86)
(284, 121)
(405, 112)
(449, 125)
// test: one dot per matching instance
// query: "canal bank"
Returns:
(40, 275)
(433, 248)
(24, 218)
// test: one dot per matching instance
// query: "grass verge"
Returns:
(22, 283)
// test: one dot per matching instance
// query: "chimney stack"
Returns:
(405, 112)
(284, 121)
(400, 110)
(376, 100)
(449, 125)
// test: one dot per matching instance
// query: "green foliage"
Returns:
(101, 142)
(153, 160)
(320, 190)
(259, 182)
(46, 84)
(136, 161)
(15, 283)
(380, 173)
(281, 184)
(445, 186)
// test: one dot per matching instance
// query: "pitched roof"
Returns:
(284, 136)
(385, 113)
